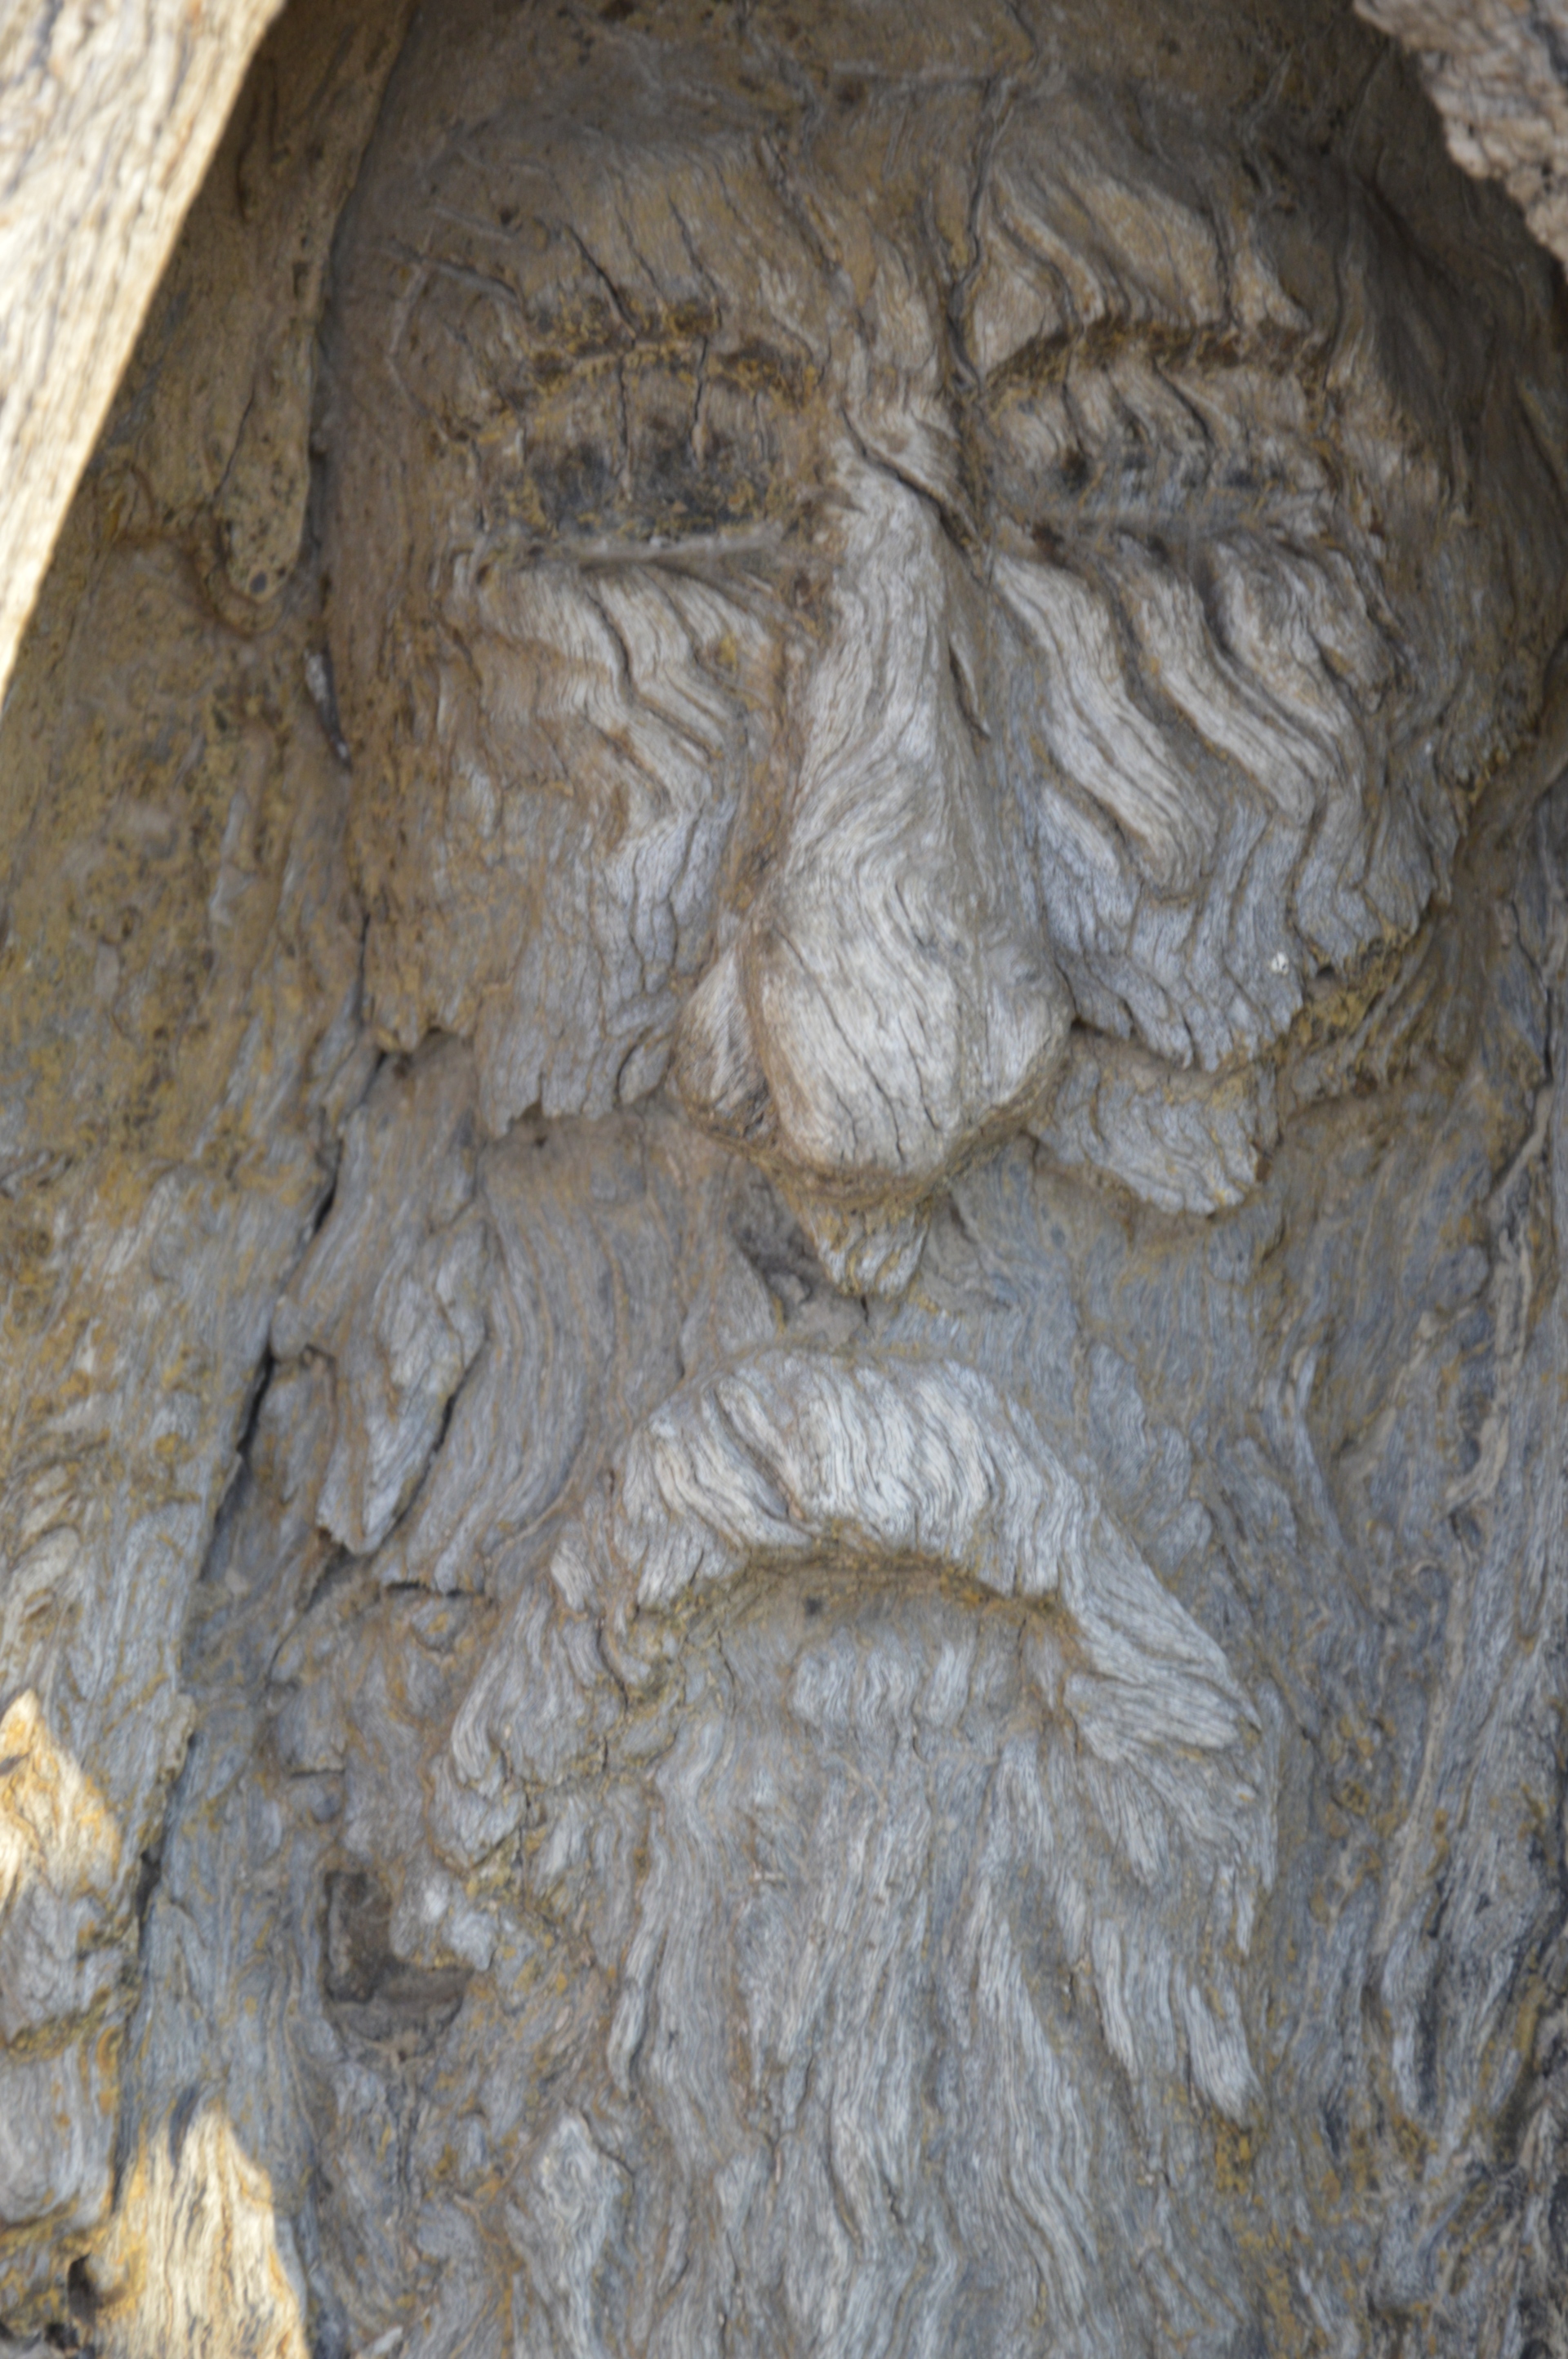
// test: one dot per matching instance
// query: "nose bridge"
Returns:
(890, 992)
(879, 728)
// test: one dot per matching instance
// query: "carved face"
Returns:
(834, 617)
(904, 609)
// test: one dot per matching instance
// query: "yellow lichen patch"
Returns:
(1232, 2158)
(191, 2260)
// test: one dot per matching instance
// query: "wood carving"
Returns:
(783, 926)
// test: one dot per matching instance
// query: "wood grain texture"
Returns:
(783, 940)
(1498, 75)
(109, 117)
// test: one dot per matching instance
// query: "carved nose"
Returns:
(890, 993)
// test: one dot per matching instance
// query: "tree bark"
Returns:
(109, 117)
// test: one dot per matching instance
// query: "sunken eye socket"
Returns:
(661, 443)
(1196, 432)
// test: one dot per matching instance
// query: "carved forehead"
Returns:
(623, 272)
(587, 241)
(737, 168)
(589, 234)
(625, 302)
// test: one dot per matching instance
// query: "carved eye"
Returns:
(600, 384)
(583, 426)
(1198, 440)
(671, 437)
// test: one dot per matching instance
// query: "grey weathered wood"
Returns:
(783, 933)
(1498, 74)
(109, 116)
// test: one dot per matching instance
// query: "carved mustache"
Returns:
(795, 1458)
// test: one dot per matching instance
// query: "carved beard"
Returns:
(926, 1972)
(867, 2078)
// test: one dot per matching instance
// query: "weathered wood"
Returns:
(783, 940)
(1498, 75)
(109, 116)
